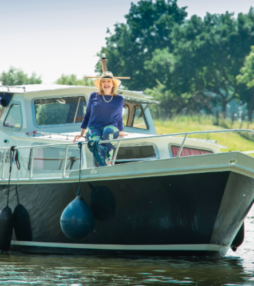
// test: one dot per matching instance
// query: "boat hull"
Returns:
(189, 214)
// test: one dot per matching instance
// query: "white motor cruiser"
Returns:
(163, 195)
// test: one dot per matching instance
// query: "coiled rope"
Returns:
(97, 149)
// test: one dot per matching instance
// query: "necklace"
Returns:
(106, 100)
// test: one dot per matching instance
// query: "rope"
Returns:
(80, 152)
(95, 147)
(17, 195)
(14, 157)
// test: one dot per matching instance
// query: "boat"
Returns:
(164, 195)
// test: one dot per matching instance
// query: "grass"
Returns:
(233, 141)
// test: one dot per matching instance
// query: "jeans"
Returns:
(105, 133)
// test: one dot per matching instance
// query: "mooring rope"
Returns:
(95, 147)
(80, 152)
(14, 156)
(17, 195)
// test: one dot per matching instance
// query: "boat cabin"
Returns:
(40, 115)
(60, 109)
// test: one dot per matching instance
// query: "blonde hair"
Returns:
(113, 92)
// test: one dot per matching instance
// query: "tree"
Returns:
(18, 77)
(173, 104)
(247, 71)
(226, 44)
(246, 76)
(73, 80)
(206, 58)
(148, 27)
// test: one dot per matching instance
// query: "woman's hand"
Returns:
(83, 131)
(121, 133)
(76, 138)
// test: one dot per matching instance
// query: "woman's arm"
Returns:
(85, 119)
(88, 112)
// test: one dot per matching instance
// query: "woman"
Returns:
(103, 118)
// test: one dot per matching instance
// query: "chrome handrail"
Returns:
(185, 134)
(128, 139)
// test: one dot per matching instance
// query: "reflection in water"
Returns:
(234, 269)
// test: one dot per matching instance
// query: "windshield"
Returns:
(125, 114)
(13, 119)
(139, 118)
(61, 110)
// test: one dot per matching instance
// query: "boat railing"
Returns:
(115, 142)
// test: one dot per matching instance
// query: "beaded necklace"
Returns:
(106, 100)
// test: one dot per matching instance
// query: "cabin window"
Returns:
(62, 110)
(13, 118)
(188, 151)
(52, 159)
(125, 114)
(139, 118)
(134, 153)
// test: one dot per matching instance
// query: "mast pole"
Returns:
(103, 63)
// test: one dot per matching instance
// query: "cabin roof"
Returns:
(130, 96)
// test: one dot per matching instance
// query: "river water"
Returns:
(236, 268)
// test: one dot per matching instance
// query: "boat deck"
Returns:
(59, 161)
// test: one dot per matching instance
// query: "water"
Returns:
(234, 269)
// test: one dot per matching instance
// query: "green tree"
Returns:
(226, 44)
(148, 27)
(73, 80)
(173, 104)
(206, 58)
(246, 76)
(18, 77)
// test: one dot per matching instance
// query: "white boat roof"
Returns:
(137, 96)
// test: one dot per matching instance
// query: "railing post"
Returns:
(65, 160)
(31, 163)
(84, 154)
(116, 151)
(181, 148)
(4, 157)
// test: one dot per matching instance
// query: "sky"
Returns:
(55, 37)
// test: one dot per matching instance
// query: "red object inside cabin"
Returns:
(188, 151)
